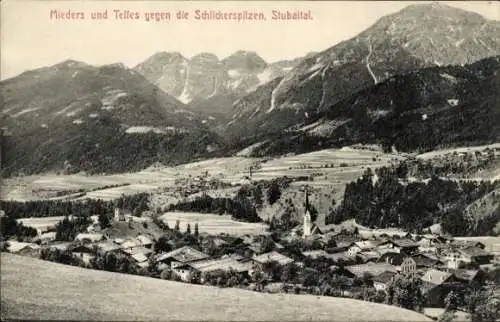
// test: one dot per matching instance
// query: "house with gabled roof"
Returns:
(273, 256)
(426, 261)
(184, 254)
(146, 241)
(373, 269)
(85, 252)
(140, 259)
(382, 281)
(404, 245)
(436, 285)
(363, 246)
(179, 260)
(221, 264)
(469, 276)
(107, 246)
(89, 237)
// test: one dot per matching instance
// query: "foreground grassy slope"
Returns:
(34, 289)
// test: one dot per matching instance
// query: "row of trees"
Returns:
(67, 229)
(240, 208)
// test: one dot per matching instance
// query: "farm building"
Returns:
(84, 252)
(222, 264)
(45, 238)
(373, 269)
(271, 257)
(405, 246)
(178, 260)
(145, 241)
(107, 246)
(457, 258)
(131, 243)
(390, 257)
(360, 246)
(469, 276)
(382, 281)
(426, 261)
(436, 285)
(26, 249)
(140, 259)
(62, 246)
(136, 250)
(91, 237)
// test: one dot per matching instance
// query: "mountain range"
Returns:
(421, 78)
(416, 37)
(95, 119)
(208, 84)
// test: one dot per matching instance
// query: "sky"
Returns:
(30, 39)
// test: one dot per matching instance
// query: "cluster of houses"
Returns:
(442, 263)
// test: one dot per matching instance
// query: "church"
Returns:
(309, 228)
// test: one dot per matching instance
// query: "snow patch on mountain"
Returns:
(111, 97)
(264, 76)
(141, 129)
(234, 73)
(26, 110)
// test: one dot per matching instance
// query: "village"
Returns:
(311, 258)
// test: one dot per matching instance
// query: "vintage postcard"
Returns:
(251, 161)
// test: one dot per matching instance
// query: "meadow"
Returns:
(42, 290)
(212, 223)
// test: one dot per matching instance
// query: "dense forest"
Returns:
(240, 208)
(47, 208)
(385, 198)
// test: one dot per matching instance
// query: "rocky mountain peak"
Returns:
(246, 60)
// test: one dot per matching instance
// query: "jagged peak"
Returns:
(243, 59)
(167, 55)
(71, 63)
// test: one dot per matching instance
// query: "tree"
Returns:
(188, 229)
(289, 273)
(451, 301)
(177, 225)
(273, 193)
(104, 221)
(162, 245)
(196, 232)
(405, 292)
(482, 306)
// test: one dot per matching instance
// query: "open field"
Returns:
(42, 222)
(35, 289)
(213, 224)
(343, 165)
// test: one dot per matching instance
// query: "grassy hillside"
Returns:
(34, 289)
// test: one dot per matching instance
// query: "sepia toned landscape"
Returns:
(357, 182)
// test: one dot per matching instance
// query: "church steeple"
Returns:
(307, 201)
(307, 229)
